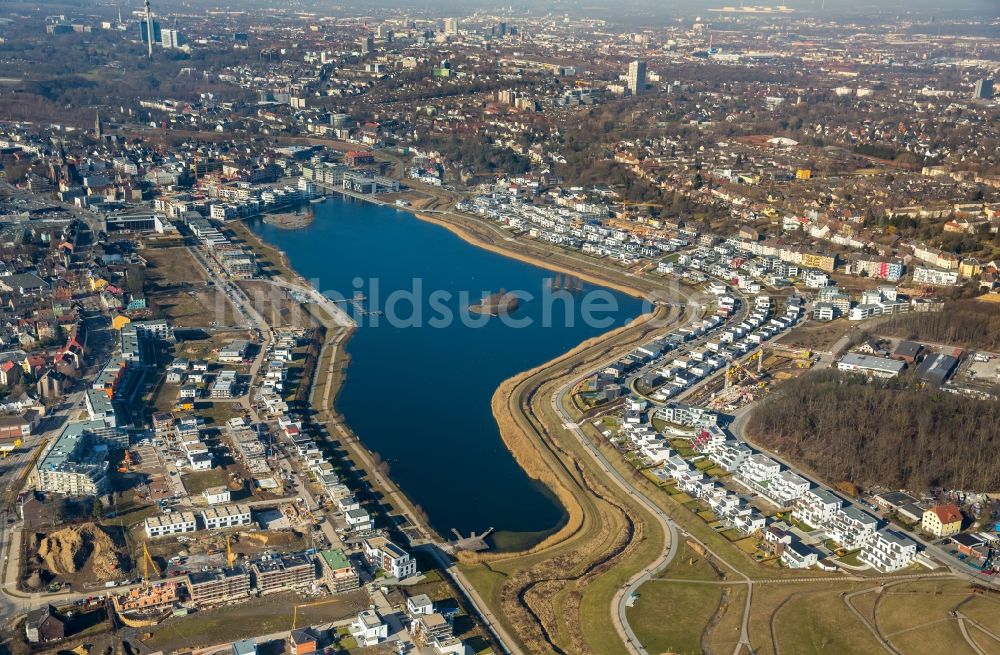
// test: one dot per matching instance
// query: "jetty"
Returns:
(358, 301)
(474, 542)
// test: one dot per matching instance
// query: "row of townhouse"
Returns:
(884, 550)
(584, 229)
(215, 517)
(935, 277)
(792, 254)
(676, 376)
(734, 342)
(729, 507)
(736, 456)
(323, 470)
(850, 526)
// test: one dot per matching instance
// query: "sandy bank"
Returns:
(513, 253)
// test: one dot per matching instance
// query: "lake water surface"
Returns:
(419, 386)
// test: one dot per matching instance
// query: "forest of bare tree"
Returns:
(965, 323)
(882, 433)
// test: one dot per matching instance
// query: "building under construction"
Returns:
(338, 572)
(283, 573)
(147, 598)
(219, 586)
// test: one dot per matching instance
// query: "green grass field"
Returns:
(671, 616)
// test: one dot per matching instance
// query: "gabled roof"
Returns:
(947, 513)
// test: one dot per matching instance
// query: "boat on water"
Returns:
(496, 304)
(317, 201)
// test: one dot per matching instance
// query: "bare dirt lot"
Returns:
(177, 289)
(816, 336)
(79, 554)
(254, 617)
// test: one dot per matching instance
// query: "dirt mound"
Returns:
(270, 537)
(71, 550)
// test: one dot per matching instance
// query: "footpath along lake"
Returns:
(419, 386)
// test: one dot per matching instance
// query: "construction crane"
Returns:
(735, 368)
(148, 564)
(230, 557)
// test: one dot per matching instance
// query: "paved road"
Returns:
(669, 527)
(948, 560)
(671, 531)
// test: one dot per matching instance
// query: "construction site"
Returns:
(284, 528)
(78, 555)
(744, 382)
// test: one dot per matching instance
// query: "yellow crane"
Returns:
(230, 558)
(735, 368)
(148, 564)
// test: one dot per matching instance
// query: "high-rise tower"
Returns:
(637, 77)
(149, 29)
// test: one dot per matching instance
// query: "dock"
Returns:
(474, 542)
(358, 302)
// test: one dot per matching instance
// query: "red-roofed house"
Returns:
(942, 520)
(10, 373)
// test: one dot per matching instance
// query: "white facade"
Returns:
(934, 277)
(851, 527)
(816, 507)
(216, 495)
(226, 516)
(369, 629)
(173, 523)
(786, 487)
(888, 551)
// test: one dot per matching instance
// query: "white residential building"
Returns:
(731, 454)
(851, 527)
(888, 551)
(173, 523)
(383, 554)
(688, 415)
(758, 468)
(786, 487)
(368, 628)
(216, 495)
(226, 516)
(816, 507)
(797, 555)
(935, 277)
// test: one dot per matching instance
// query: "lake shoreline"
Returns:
(507, 249)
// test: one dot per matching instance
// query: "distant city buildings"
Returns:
(144, 31)
(172, 39)
(637, 77)
(983, 90)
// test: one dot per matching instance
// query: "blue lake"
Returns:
(418, 389)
